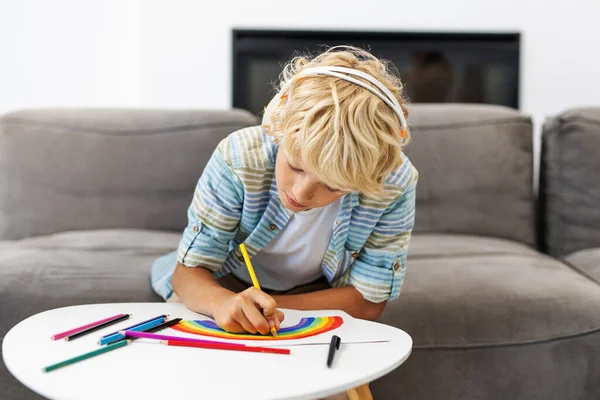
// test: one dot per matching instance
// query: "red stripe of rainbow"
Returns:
(307, 327)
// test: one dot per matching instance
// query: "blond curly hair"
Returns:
(347, 135)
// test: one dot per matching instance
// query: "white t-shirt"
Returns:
(295, 254)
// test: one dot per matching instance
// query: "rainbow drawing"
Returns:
(307, 327)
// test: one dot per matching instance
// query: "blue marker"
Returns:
(139, 328)
(138, 324)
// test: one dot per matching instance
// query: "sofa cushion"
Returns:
(569, 186)
(475, 165)
(587, 262)
(490, 292)
(70, 268)
(79, 169)
(42, 273)
(469, 302)
(448, 246)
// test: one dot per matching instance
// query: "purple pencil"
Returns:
(147, 335)
(78, 329)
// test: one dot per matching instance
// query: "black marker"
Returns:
(156, 328)
(97, 327)
(333, 346)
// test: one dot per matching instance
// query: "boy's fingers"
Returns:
(264, 301)
(233, 327)
(273, 328)
(255, 317)
(242, 319)
(262, 313)
(279, 317)
(275, 322)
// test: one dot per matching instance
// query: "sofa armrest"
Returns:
(75, 169)
(570, 181)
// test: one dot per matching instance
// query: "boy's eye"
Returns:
(330, 189)
(294, 168)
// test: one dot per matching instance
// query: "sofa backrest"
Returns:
(73, 169)
(475, 167)
(77, 169)
(570, 181)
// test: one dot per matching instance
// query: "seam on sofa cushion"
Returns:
(472, 123)
(562, 227)
(579, 271)
(92, 192)
(580, 119)
(116, 133)
(470, 255)
(498, 254)
(96, 249)
(508, 344)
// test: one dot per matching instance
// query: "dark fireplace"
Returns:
(435, 67)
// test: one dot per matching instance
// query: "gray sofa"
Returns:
(570, 190)
(89, 198)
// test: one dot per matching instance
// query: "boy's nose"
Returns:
(304, 193)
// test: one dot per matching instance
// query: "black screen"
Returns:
(434, 67)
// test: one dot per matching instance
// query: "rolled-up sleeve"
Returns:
(213, 215)
(378, 272)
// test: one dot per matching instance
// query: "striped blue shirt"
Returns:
(236, 201)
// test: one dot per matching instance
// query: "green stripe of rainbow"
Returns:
(307, 327)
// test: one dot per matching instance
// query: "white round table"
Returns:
(149, 370)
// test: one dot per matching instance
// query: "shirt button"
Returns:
(272, 227)
(355, 255)
(396, 267)
(196, 229)
(241, 258)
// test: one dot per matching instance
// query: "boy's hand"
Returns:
(249, 311)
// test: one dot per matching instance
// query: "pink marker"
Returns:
(75, 330)
(147, 335)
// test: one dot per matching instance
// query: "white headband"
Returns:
(340, 72)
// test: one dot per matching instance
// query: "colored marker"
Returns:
(83, 327)
(333, 346)
(147, 335)
(141, 327)
(85, 356)
(228, 346)
(97, 327)
(253, 276)
(164, 325)
(164, 316)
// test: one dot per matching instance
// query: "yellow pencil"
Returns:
(253, 276)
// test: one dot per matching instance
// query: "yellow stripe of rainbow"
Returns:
(310, 326)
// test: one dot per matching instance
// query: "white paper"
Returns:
(349, 331)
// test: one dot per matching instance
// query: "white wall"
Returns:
(176, 53)
(187, 43)
(69, 53)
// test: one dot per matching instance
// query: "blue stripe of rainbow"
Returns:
(307, 327)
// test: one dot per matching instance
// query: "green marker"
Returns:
(86, 355)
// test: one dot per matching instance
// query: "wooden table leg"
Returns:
(360, 393)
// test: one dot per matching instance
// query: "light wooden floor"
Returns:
(358, 393)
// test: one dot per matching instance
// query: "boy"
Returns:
(321, 195)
